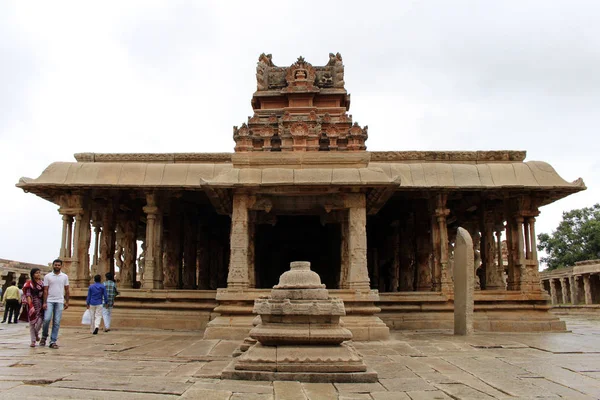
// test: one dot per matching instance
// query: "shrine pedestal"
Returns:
(234, 314)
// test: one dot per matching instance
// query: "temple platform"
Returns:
(495, 311)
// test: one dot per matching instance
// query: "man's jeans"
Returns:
(53, 313)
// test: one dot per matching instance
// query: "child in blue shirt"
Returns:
(96, 295)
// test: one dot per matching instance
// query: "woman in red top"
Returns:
(34, 293)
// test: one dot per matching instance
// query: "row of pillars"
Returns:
(568, 290)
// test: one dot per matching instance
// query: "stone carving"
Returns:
(299, 335)
(286, 119)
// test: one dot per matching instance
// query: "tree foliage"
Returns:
(577, 238)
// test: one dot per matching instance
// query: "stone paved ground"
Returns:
(126, 364)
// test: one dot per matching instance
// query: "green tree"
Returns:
(577, 238)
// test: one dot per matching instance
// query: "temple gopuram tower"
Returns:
(196, 238)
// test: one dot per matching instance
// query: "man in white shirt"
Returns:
(56, 299)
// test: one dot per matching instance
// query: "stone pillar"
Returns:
(553, 293)
(69, 250)
(565, 290)
(439, 236)
(494, 275)
(151, 254)
(574, 289)
(173, 249)
(81, 256)
(106, 263)
(344, 251)
(251, 248)
(237, 277)
(463, 283)
(587, 289)
(358, 273)
(158, 252)
(424, 251)
(97, 231)
(520, 256)
(128, 271)
(63, 241)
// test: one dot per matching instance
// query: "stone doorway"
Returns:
(294, 238)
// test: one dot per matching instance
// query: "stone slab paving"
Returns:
(150, 364)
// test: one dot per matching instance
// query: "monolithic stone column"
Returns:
(237, 277)
(358, 273)
(565, 290)
(463, 283)
(553, 293)
(520, 242)
(158, 252)
(587, 289)
(150, 255)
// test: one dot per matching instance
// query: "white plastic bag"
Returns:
(87, 318)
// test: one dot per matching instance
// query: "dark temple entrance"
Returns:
(297, 238)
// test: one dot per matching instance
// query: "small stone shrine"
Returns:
(300, 336)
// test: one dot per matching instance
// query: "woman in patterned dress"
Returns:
(34, 293)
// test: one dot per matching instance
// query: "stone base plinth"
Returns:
(234, 319)
(339, 363)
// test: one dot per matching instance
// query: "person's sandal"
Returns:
(32, 344)
(43, 342)
(53, 346)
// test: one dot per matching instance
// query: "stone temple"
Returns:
(195, 238)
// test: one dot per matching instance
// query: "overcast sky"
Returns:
(175, 76)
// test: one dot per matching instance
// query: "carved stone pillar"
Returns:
(97, 231)
(553, 293)
(358, 273)
(565, 290)
(63, 241)
(174, 251)
(344, 252)
(423, 250)
(237, 277)
(152, 253)
(439, 237)
(69, 250)
(83, 237)
(587, 289)
(573, 280)
(128, 271)
(106, 263)
(495, 272)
